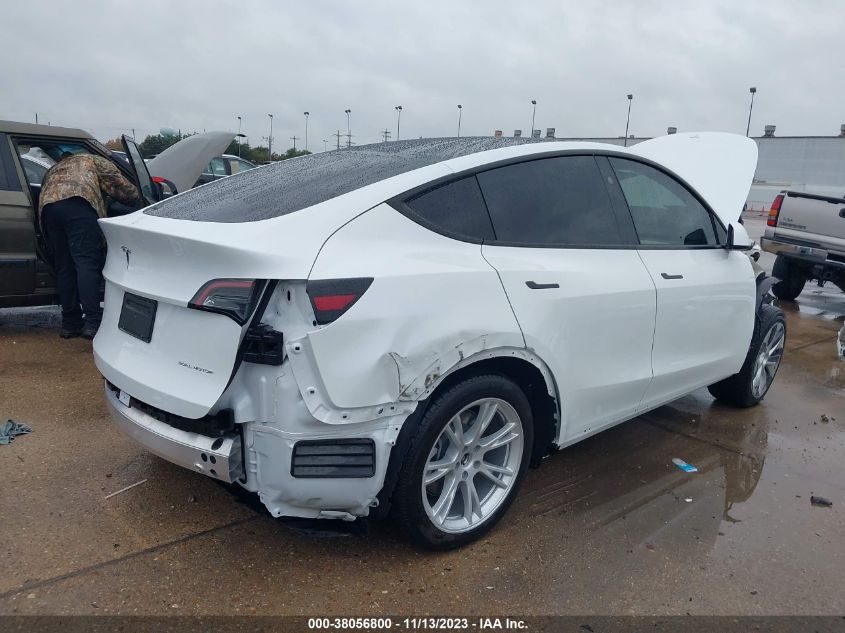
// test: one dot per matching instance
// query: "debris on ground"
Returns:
(687, 468)
(820, 501)
(824, 419)
(114, 494)
(10, 429)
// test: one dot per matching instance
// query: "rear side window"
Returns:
(665, 213)
(551, 202)
(9, 180)
(455, 209)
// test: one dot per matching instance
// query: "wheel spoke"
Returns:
(486, 413)
(446, 500)
(500, 438)
(472, 504)
(455, 432)
(486, 471)
(437, 469)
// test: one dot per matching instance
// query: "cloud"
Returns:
(111, 67)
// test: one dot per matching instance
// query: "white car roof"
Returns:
(719, 166)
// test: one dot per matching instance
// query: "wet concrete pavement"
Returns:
(609, 526)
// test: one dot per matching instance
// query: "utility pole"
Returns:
(753, 91)
(630, 100)
(293, 138)
(460, 111)
(338, 135)
(36, 118)
(239, 137)
(348, 129)
(270, 140)
(398, 119)
(385, 135)
(306, 129)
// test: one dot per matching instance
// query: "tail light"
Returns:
(774, 212)
(330, 298)
(236, 298)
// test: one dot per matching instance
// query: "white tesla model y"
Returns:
(407, 326)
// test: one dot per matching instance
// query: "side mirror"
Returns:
(738, 239)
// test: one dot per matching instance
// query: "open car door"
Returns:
(149, 192)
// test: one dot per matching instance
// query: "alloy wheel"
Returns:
(473, 465)
(768, 359)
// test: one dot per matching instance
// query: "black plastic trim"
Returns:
(815, 196)
(345, 458)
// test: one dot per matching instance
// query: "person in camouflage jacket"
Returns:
(71, 201)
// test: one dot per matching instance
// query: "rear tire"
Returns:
(748, 387)
(472, 448)
(792, 279)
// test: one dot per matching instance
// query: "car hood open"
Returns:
(183, 162)
(719, 166)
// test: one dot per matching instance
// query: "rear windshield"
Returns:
(298, 183)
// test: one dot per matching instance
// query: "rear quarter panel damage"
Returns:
(434, 302)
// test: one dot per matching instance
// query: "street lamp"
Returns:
(306, 129)
(753, 91)
(270, 140)
(628, 120)
(533, 103)
(398, 119)
(348, 130)
(325, 145)
(460, 110)
(239, 137)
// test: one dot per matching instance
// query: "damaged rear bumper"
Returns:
(218, 457)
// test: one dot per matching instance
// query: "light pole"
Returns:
(753, 91)
(325, 145)
(460, 110)
(239, 137)
(307, 114)
(398, 119)
(348, 130)
(533, 103)
(628, 120)
(270, 140)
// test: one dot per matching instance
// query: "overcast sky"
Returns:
(110, 66)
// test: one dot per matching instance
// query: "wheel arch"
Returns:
(525, 369)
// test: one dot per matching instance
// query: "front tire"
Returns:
(748, 387)
(464, 463)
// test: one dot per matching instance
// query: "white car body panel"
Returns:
(614, 340)
(183, 162)
(704, 320)
(413, 327)
(594, 331)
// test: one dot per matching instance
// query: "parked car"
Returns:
(408, 325)
(807, 233)
(223, 166)
(26, 153)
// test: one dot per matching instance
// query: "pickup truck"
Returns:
(807, 233)
(26, 153)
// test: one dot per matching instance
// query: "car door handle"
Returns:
(668, 276)
(535, 286)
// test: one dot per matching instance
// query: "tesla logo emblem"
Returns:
(127, 252)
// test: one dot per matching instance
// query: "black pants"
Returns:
(71, 230)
